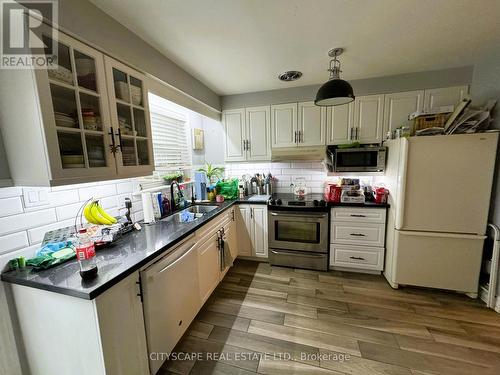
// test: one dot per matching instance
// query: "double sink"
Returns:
(197, 210)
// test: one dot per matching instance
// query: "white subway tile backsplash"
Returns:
(60, 198)
(97, 191)
(10, 206)
(22, 231)
(67, 211)
(124, 187)
(27, 220)
(13, 241)
(10, 192)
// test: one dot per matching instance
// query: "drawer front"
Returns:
(358, 214)
(371, 258)
(364, 234)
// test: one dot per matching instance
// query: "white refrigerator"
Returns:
(439, 196)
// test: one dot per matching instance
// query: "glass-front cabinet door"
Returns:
(75, 109)
(130, 119)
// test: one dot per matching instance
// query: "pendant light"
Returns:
(336, 91)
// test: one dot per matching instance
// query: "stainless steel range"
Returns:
(298, 231)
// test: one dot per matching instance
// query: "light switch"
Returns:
(35, 197)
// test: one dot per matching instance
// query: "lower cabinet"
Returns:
(208, 266)
(105, 335)
(252, 230)
(357, 238)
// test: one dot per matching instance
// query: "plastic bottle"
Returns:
(85, 254)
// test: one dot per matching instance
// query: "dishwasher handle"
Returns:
(170, 265)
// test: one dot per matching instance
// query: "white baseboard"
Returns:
(497, 305)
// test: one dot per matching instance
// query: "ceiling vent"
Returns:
(290, 75)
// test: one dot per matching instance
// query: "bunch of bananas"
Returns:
(95, 214)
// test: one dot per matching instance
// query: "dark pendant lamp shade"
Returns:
(334, 92)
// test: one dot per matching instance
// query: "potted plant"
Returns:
(213, 173)
(175, 176)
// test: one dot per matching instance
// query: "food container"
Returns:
(332, 193)
(381, 195)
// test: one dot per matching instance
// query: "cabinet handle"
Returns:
(119, 134)
(358, 234)
(351, 135)
(244, 145)
(251, 213)
(295, 138)
(357, 133)
(112, 146)
(357, 258)
(357, 215)
(232, 214)
(248, 145)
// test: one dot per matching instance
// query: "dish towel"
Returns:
(227, 259)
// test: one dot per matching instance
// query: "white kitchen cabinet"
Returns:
(284, 125)
(311, 124)
(359, 121)
(247, 134)
(357, 238)
(398, 106)
(208, 265)
(234, 135)
(258, 133)
(102, 336)
(444, 96)
(368, 116)
(65, 117)
(252, 230)
(130, 119)
(340, 121)
(232, 244)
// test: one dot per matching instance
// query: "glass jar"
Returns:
(300, 188)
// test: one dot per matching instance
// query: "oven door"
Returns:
(298, 230)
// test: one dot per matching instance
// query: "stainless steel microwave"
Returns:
(360, 159)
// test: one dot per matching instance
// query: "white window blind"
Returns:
(170, 131)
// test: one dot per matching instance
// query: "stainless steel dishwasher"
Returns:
(171, 300)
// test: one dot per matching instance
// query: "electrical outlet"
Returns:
(35, 197)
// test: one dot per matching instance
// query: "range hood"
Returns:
(316, 153)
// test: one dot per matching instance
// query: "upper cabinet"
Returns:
(368, 117)
(71, 119)
(398, 106)
(311, 124)
(444, 96)
(128, 101)
(258, 124)
(247, 134)
(298, 125)
(359, 121)
(284, 125)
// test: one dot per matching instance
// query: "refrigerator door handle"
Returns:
(400, 199)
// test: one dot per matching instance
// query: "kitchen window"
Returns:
(170, 129)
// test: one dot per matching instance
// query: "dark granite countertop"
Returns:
(125, 256)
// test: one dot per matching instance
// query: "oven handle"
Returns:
(312, 216)
(301, 254)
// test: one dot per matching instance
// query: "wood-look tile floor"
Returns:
(274, 320)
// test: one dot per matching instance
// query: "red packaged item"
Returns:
(333, 193)
(381, 195)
